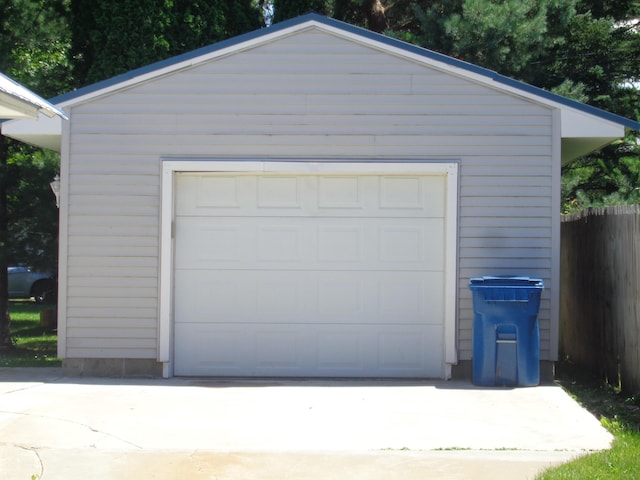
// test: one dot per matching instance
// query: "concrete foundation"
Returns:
(111, 367)
(464, 371)
(137, 367)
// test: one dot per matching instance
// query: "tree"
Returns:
(117, 36)
(5, 332)
(33, 232)
(602, 57)
(376, 15)
(284, 9)
(476, 31)
(33, 50)
(619, 9)
(34, 40)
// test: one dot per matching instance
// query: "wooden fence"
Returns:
(600, 293)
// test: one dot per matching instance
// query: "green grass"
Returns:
(619, 413)
(34, 347)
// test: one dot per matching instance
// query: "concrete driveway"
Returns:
(94, 428)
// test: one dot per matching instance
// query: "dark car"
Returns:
(24, 282)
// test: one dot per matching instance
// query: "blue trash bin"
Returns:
(506, 332)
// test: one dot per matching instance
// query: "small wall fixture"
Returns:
(55, 188)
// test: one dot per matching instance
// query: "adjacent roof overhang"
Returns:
(17, 101)
(583, 128)
(583, 133)
(46, 132)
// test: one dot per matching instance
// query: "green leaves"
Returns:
(284, 9)
(34, 41)
(33, 230)
(114, 37)
(512, 37)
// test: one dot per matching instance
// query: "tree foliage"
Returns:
(618, 9)
(602, 57)
(476, 31)
(34, 40)
(117, 36)
(284, 9)
(34, 44)
(33, 230)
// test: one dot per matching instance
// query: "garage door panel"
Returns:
(208, 242)
(220, 191)
(346, 193)
(311, 195)
(280, 244)
(281, 350)
(308, 350)
(411, 297)
(225, 296)
(203, 297)
(309, 243)
(308, 297)
(341, 243)
(202, 350)
(277, 193)
(342, 349)
(309, 275)
(401, 244)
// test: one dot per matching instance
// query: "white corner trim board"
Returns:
(443, 348)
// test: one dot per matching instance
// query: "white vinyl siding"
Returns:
(314, 96)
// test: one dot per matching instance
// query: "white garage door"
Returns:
(309, 275)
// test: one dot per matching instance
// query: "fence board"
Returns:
(600, 292)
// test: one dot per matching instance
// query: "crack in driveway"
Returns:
(32, 462)
(73, 422)
(22, 389)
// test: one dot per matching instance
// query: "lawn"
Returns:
(619, 413)
(34, 346)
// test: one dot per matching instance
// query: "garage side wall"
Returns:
(310, 95)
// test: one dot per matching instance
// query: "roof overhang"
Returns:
(17, 101)
(46, 132)
(583, 128)
(583, 133)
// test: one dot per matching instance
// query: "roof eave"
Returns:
(17, 101)
(45, 132)
(574, 148)
(583, 133)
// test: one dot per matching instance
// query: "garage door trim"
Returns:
(170, 166)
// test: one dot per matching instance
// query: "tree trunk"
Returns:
(377, 16)
(5, 330)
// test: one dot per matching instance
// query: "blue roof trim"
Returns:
(392, 42)
(591, 110)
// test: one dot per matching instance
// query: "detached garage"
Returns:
(309, 199)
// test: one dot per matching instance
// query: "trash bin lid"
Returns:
(506, 281)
